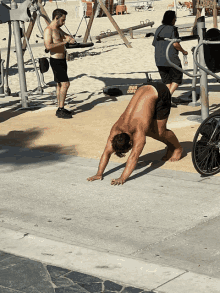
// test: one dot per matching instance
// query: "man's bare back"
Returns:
(136, 115)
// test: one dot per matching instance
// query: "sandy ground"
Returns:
(109, 62)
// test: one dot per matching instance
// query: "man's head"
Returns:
(60, 16)
(121, 144)
(169, 17)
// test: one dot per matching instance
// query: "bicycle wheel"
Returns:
(206, 146)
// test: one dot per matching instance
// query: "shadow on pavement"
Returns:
(16, 148)
(152, 161)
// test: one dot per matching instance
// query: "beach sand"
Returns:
(107, 63)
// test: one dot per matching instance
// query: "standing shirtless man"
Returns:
(54, 41)
(146, 115)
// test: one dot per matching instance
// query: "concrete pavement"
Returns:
(164, 219)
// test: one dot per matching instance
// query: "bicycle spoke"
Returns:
(200, 152)
(211, 165)
(205, 161)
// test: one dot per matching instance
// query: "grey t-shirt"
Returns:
(165, 31)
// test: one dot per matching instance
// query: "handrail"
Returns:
(2, 72)
(174, 65)
(199, 65)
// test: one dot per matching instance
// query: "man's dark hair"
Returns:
(168, 17)
(59, 13)
(121, 144)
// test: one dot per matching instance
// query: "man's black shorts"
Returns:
(163, 103)
(170, 74)
(59, 67)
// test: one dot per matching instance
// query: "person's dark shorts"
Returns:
(170, 74)
(59, 67)
(163, 103)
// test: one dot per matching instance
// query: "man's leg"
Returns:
(173, 87)
(159, 132)
(61, 92)
(58, 93)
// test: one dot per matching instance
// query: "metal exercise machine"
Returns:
(13, 16)
(205, 66)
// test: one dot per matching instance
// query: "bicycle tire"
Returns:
(205, 154)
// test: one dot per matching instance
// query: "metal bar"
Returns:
(125, 30)
(115, 25)
(87, 33)
(1, 76)
(203, 79)
(174, 65)
(194, 102)
(20, 59)
(32, 58)
(7, 89)
(199, 65)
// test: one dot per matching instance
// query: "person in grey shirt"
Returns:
(169, 75)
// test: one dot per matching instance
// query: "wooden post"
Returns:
(29, 31)
(131, 32)
(43, 12)
(198, 14)
(215, 24)
(90, 22)
(115, 25)
(194, 7)
(32, 22)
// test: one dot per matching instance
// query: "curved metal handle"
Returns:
(174, 65)
(199, 65)
(2, 72)
(39, 24)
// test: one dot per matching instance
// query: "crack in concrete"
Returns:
(170, 280)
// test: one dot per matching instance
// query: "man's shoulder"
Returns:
(48, 29)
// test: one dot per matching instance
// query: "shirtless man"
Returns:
(146, 115)
(54, 41)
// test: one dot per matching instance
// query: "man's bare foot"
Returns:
(177, 154)
(168, 155)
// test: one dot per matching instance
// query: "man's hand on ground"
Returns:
(117, 181)
(95, 177)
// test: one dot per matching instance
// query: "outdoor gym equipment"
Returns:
(75, 45)
(1, 76)
(206, 143)
(205, 68)
(15, 15)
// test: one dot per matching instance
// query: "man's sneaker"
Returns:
(63, 113)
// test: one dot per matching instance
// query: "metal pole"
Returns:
(39, 89)
(203, 79)
(194, 103)
(175, 7)
(7, 89)
(20, 59)
(1, 77)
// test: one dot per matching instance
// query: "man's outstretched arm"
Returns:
(103, 162)
(138, 145)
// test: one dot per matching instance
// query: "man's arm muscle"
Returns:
(138, 145)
